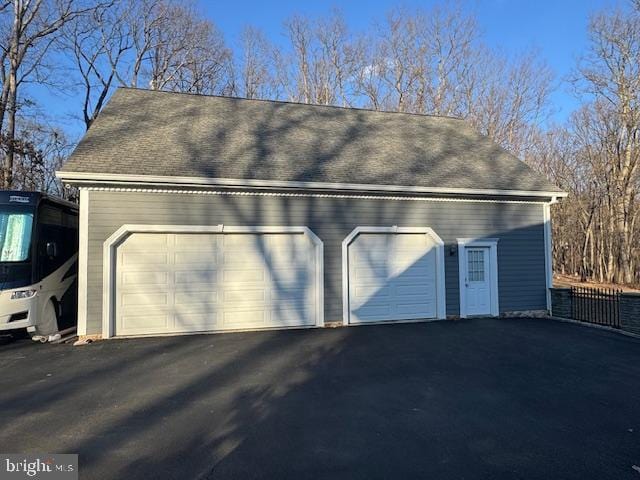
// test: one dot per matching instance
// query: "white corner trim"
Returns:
(492, 244)
(441, 306)
(548, 252)
(111, 178)
(83, 260)
(111, 243)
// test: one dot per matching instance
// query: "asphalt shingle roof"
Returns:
(143, 132)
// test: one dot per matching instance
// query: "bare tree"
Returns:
(39, 150)
(396, 58)
(189, 53)
(162, 43)
(256, 64)
(28, 30)
(434, 62)
(97, 43)
(610, 73)
(322, 62)
(449, 40)
(507, 96)
(299, 34)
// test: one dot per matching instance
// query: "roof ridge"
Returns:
(291, 102)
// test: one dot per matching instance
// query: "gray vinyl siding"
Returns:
(518, 226)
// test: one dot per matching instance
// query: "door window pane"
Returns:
(475, 265)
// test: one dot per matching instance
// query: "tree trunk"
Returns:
(10, 133)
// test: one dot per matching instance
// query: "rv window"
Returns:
(15, 236)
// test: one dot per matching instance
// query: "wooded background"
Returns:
(423, 61)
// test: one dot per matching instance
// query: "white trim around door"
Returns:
(492, 245)
(111, 244)
(441, 307)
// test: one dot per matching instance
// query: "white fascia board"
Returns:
(111, 178)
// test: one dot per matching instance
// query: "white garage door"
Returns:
(188, 282)
(392, 276)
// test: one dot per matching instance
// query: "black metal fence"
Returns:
(596, 305)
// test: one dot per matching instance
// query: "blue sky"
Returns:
(557, 28)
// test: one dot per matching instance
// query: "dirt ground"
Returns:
(571, 281)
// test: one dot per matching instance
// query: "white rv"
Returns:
(38, 262)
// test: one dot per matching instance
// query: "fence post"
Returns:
(561, 302)
(630, 311)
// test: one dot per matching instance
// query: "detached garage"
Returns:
(210, 214)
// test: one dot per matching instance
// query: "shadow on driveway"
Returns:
(482, 398)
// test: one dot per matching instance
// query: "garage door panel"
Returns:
(414, 265)
(363, 294)
(144, 299)
(242, 260)
(373, 242)
(196, 297)
(145, 278)
(141, 242)
(146, 260)
(412, 276)
(184, 276)
(288, 317)
(240, 296)
(369, 262)
(291, 277)
(411, 290)
(282, 258)
(373, 304)
(392, 277)
(198, 282)
(371, 272)
(410, 241)
(195, 258)
(288, 291)
(143, 289)
(196, 277)
(407, 260)
(415, 309)
(371, 312)
(293, 303)
(194, 321)
(243, 318)
(242, 277)
(197, 242)
(142, 323)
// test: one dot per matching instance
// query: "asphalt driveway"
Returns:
(483, 398)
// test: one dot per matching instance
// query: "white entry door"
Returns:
(478, 281)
